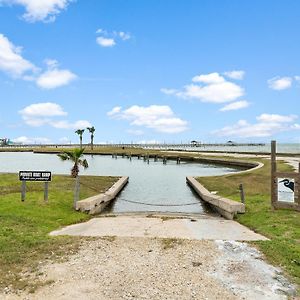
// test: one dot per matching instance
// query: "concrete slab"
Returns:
(203, 228)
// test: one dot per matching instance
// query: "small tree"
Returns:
(91, 130)
(76, 156)
(80, 133)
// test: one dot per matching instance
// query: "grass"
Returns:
(282, 227)
(24, 239)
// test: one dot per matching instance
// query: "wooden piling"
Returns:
(241, 188)
(273, 175)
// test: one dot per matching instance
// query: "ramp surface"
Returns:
(202, 228)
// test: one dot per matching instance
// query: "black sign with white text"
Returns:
(34, 175)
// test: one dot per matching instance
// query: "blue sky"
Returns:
(142, 71)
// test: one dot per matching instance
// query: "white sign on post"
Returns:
(286, 189)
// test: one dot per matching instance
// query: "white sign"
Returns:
(286, 189)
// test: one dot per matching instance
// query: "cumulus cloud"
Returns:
(114, 111)
(40, 10)
(110, 39)
(31, 140)
(124, 35)
(271, 118)
(238, 75)
(161, 118)
(105, 42)
(168, 91)
(81, 124)
(211, 87)
(267, 125)
(280, 83)
(47, 109)
(54, 78)
(46, 113)
(235, 105)
(11, 60)
(209, 78)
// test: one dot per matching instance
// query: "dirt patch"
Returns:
(142, 268)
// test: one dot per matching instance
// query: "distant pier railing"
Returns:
(135, 145)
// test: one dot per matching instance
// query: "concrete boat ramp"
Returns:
(181, 227)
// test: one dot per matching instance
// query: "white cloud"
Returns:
(31, 140)
(114, 111)
(41, 114)
(51, 63)
(81, 124)
(11, 60)
(158, 117)
(214, 93)
(210, 88)
(238, 75)
(280, 83)
(271, 118)
(124, 35)
(105, 42)
(40, 10)
(110, 39)
(168, 91)
(267, 125)
(54, 78)
(235, 105)
(209, 78)
(297, 78)
(47, 109)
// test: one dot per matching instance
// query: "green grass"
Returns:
(24, 239)
(282, 226)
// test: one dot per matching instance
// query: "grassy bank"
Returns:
(281, 226)
(24, 240)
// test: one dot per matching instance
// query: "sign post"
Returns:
(284, 185)
(23, 191)
(37, 176)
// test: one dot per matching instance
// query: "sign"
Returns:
(286, 189)
(43, 176)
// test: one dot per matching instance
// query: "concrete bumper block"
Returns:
(97, 203)
(226, 207)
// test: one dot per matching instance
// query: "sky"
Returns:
(150, 71)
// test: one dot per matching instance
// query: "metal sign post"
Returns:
(37, 176)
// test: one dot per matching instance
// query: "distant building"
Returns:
(5, 142)
(195, 143)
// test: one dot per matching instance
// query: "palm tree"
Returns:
(80, 133)
(76, 156)
(91, 130)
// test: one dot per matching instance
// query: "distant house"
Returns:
(3, 142)
(195, 143)
(231, 143)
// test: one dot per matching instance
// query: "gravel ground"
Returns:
(150, 268)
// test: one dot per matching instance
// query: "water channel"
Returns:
(152, 187)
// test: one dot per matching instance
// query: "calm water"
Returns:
(160, 187)
(281, 148)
